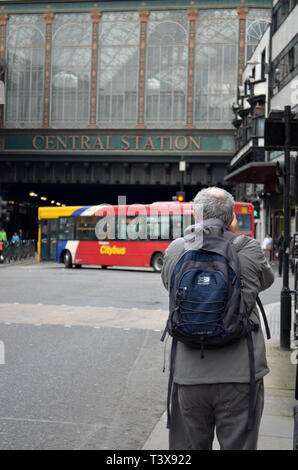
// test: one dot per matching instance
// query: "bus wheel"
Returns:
(67, 260)
(157, 262)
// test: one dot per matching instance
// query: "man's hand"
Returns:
(233, 226)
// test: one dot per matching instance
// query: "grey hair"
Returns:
(216, 203)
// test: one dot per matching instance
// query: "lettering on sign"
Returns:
(112, 250)
(116, 143)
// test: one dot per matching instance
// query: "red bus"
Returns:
(123, 235)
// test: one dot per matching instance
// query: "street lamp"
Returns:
(182, 169)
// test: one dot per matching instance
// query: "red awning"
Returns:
(254, 172)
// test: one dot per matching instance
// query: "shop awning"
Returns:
(254, 172)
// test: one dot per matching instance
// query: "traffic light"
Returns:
(281, 175)
(3, 209)
(256, 209)
(180, 196)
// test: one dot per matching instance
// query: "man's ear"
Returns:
(231, 221)
(233, 225)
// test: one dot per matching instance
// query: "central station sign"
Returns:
(112, 142)
(96, 143)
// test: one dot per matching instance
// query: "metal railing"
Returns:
(17, 251)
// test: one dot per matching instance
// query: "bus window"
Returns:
(179, 224)
(164, 223)
(104, 228)
(244, 222)
(136, 227)
(153, 227)
(85, 228)
(158, 227)
(176, 226)
(168, 226)
(66, 228)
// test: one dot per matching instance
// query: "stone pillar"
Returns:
(242, 14)
(143, 15)
(95, 16)
(192, 15)
(48, 18)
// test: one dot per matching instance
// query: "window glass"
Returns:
(286, 64)
(44, 229)
(66, 228)
(25, 70)
(168, 226)
(256, 24)
(105, 228)
(118, 56)
(260, 127)
(85, 228)
(71, 68)
(166, 69)
(215, 67)
(136, 227)
(296, 54)
(244, 222)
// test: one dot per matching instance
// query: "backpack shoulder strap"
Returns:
(258, 300)
(260, 305)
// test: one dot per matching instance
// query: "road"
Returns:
(83, 357)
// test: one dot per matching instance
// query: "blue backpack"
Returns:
(206, 305)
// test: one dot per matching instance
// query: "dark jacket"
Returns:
(228, 364)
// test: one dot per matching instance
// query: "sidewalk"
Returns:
(20, 262)
(277, 426)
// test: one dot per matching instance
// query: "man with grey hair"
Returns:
(213, 392)
(216, 204)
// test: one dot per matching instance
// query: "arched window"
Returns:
(215, 67)
(166, 69)
(25, 71)
(71, 70)
(256, 23)
(118, 56)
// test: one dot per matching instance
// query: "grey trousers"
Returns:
(197, 410)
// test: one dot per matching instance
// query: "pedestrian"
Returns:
(267, 247)
(21, 234)
(213, 391)
(280, 253)
(3, 235)
(15, 238)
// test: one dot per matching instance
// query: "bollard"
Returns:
(295, 440)
(285, 318)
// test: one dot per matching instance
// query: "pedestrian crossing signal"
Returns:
(256, 209)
